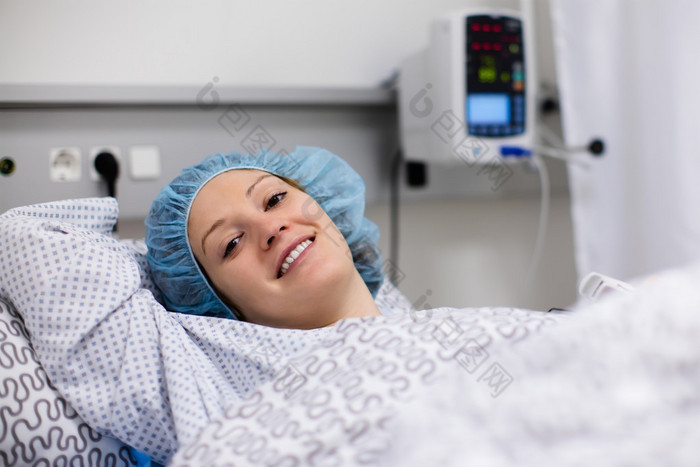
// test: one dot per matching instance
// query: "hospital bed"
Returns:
(611, 383)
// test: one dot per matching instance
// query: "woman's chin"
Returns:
(314, 277)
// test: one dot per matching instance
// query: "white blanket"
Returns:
(617, 384)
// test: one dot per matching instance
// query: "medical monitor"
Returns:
(470, 91)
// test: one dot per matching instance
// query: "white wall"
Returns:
(477, 252)
(242, 42)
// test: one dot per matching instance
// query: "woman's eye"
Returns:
(230, 246)
(274, 199)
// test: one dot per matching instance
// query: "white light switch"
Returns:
(144, 162)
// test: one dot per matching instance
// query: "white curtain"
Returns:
(629, 72)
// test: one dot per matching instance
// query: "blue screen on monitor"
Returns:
(488, 109)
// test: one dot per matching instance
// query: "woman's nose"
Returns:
(271, 234)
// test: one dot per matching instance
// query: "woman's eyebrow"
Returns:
(249, 191)
(214, 226)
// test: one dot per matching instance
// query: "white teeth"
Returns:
(292, 256)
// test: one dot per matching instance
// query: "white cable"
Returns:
(554, 148)
(541, 228)
(569, 158)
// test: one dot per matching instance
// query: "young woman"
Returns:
(274, 239)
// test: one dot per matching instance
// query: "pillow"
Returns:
(38, 426)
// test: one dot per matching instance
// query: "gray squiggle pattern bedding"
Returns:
(37, 426)
(341, 403)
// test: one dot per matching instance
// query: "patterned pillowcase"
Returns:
(37, 426)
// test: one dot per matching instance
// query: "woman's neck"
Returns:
(358, 301)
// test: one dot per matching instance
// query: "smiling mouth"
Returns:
(293, 255)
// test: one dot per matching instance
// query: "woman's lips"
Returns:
(291, 253)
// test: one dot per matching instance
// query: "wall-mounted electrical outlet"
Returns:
(64, 165)
(96, 151)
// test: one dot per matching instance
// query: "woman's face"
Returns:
(270, 250)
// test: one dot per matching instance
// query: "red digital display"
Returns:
(494, 76)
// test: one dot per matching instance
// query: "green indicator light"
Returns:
(487, 75)
(505, 76)
(513, 48)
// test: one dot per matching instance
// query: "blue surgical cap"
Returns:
(329, 180)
